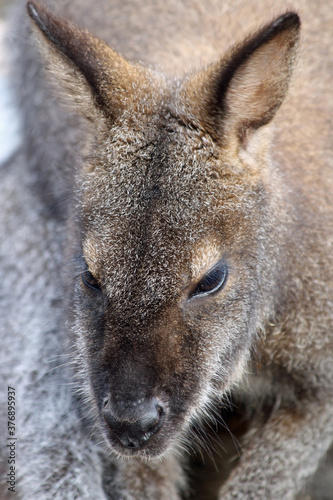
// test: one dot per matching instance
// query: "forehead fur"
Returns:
(157, 160)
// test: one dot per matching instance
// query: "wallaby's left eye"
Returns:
(214, 281)
(89, 280)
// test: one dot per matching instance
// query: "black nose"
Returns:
(134, 424)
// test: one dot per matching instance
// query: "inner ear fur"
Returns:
(96, 79)
(242, 92)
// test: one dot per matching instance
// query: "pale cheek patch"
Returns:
(91, 255)
(204, 256)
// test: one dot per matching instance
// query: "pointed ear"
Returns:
(236, 96)
(96, 79)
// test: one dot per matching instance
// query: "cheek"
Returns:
(223, 330)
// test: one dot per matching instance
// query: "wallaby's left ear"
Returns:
(242, 92)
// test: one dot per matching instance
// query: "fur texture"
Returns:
(121, 211)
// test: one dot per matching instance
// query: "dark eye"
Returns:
(89, 280)
(214, 281)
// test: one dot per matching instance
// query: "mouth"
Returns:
(147, 448)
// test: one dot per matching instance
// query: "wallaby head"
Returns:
(176, 226)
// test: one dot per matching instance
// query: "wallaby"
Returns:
(167, 268)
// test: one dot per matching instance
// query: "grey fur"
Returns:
(281, 368)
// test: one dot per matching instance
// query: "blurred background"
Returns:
(322, 487)
(3, 4)
(9, 118)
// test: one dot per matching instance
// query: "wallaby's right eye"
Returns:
(89, 280)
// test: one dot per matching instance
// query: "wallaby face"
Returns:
(175, 222)
(167, 306)
(167, 252)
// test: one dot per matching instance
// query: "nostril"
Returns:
(159, 409)
(153, 418)
(160, 414)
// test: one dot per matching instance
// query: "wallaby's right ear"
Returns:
(96, 79)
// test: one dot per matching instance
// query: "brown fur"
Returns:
(177, 176)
